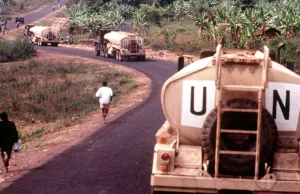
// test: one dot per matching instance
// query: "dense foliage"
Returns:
(234, 23)
(18, 50)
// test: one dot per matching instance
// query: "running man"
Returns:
(105, 96)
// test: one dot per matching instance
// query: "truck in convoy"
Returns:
(20, 19)
(234, 127)
(119, 44)
(42, 35)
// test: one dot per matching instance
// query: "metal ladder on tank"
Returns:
(260, 89)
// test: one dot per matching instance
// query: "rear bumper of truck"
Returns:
(126, 53)
(213, 185)
(50, 41)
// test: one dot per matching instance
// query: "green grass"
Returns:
(57, 91)
(33, 135)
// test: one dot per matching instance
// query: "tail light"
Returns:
(163, 140)
(164, 168)
(165, 156)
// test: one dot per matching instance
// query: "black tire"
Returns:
(54, 44)
(124, 58)
(97, 50)
(239, 164)
(43, 44)
(142, 58)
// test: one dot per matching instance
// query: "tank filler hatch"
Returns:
(219, 60)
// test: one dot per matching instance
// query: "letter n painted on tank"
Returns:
(282, 101)
(192, 107)
(284, 108)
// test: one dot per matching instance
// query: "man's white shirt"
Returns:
(104, 94)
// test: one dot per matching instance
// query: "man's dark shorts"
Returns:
(105, 108)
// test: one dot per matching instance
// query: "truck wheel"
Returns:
(97, 50)
(54, 44)
(239, 164)
(43, 44)
(124, 58)
(142, 58)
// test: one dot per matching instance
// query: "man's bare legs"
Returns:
(5, 157)
(104, 114)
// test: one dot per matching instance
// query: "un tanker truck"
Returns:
(232, 126)
(118, 44)
(42, 35)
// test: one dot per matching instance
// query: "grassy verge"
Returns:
(58, 92)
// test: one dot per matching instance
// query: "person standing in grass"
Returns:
(8, 136)
(105, 96)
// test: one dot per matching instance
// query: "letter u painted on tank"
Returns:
(192, 106)
(282, 101)
(198, 98)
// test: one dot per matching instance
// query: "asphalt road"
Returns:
(116, 159)
(31, 17)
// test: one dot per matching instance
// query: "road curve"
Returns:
(116, 159)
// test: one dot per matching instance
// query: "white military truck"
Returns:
(234, 127)
(42, 35)
(118, 44)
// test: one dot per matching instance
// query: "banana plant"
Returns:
(235, 25)
(181, 8)
(248, 29)
(139, 22)
(201, 20)
(77, 14)
(113, 19)
(93, 22)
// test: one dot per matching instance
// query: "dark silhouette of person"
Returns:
(8, 136)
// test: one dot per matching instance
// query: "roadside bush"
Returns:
(18, 50)
(177, 36)
(152, 14)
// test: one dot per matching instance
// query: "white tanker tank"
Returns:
(42, 35)
(119, 44)
(231, 115)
